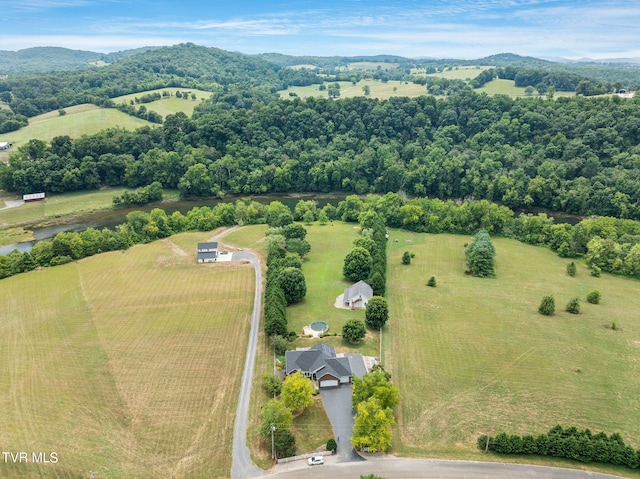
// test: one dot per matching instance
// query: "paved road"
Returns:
(392, 468)
(241, 464)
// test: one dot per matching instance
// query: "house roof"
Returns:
(202, 255)
(208, 245)
(360, 289)
(320, 359)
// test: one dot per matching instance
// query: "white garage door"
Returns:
(329, 383)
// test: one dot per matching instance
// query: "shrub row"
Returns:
(567, 443)
(285, 282)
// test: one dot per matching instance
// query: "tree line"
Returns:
(567, 443)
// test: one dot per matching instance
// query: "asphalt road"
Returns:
(392, 468)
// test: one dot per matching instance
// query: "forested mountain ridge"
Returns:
(45, 59)
(48, 59)
(184, 65)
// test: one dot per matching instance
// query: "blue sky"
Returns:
(439, 28)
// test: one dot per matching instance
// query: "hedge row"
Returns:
(568, 443)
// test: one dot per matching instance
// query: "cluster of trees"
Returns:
(576, 155)
(367, 260)
(9, 121)
(141, 196)
(285, 282)
(480, 256)
(569, 443)
(374, 399)
(142, 112)
(548, 304)
(276, 416)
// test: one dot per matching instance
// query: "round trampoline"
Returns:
(319, 326)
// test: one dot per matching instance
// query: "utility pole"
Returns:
(273, 446)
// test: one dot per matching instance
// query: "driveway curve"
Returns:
(241, 464)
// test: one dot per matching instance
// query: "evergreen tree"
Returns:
(480, 255)
(547, 306)
(573, 306)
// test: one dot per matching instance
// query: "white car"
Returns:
(315, 460)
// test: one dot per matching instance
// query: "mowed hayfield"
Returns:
(508, 87)
(127, 364)
(79, 120)
(473, 356)
(378, 89)
(88, 119)
(168, 105)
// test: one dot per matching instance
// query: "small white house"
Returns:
(357, 296)
(208, 252)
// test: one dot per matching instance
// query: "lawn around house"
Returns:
(473, 356)
(127, 364)
(322, 269)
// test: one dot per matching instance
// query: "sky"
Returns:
(463, 29)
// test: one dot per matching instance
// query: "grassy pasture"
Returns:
(378, 89)
(370, 66)
(473, 356)
(167, 105)
(126, 364)
(57, 206)
(60, 205)
(80, 120)
(88, 119)
(322, 269)
(507, 87)
(458, 73)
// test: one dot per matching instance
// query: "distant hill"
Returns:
(185, 65)
(43, 59)
(48, 59)
(330, 62)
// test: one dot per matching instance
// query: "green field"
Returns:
(370, 66)
(507, 87)
(80, 120)
(378, 89)
(125, 364)
(168, 105)
(473, 356)
(88, 119)
(323, 275)
(460, 73)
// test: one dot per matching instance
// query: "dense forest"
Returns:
(578, 155)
